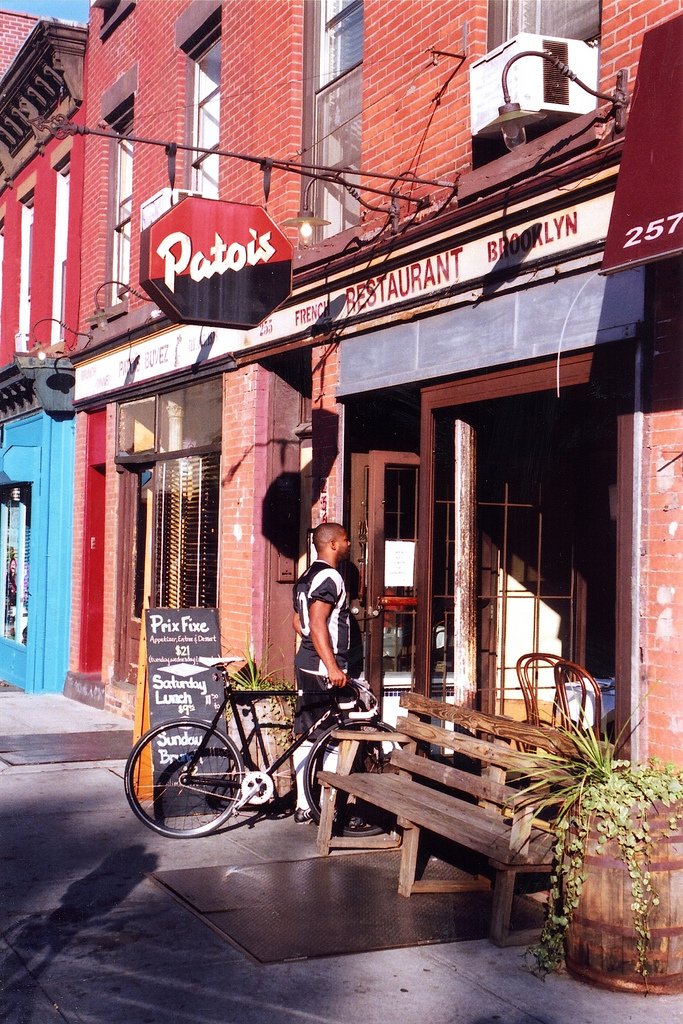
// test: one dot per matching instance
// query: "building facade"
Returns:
(494, 419)
(40, 209)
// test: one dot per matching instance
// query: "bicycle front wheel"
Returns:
(175, 797)
(353, 817)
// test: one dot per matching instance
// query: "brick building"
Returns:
(496, 421)
(40, 186)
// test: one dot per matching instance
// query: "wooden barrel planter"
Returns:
(601, 940)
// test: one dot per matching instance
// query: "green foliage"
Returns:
(255, 675)
(593, 791)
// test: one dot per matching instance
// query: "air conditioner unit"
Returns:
(160, 203)
(533, 83)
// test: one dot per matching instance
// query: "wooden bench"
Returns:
(481, 812)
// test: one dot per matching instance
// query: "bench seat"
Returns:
(476, 809)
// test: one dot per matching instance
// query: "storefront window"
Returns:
(136, 426)
(175, 552)
(15, 532)
(190, 418)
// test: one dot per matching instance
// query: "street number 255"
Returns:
(654, 229)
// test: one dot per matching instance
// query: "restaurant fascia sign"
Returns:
(215, 263)
(434, 281)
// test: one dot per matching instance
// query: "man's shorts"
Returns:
(314, 702)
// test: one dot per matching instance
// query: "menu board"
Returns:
(178, 686)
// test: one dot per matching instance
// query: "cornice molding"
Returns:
(44, 78)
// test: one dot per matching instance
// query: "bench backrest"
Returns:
(481, 724)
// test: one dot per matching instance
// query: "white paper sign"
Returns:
(399, 563)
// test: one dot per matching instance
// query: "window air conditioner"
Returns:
(160, 203)
(533, 83)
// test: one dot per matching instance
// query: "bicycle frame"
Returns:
(239, 698)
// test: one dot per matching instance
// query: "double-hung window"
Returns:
(332, 108)
(122, 207)
(61, 239)
(565, 19)
(206, 127)
(198, 35)
(26, 266)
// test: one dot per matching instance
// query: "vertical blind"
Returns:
(186, 520)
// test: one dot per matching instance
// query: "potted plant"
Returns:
(278, 712)
(615, 905)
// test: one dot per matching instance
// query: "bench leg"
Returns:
(406, 875)
(328, 797)
(502, 907)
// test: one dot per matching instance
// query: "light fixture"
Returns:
(40, 350)
(512, 120)
(100, 316)
(305, 220)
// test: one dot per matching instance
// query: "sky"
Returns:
(68, 10)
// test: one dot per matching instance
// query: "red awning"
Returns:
(647, 216)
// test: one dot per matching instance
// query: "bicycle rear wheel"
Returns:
(353, 818)
(169, 798)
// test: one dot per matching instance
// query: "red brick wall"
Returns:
(239, 578)
(14, 28)
(661, 638)
(623, 24)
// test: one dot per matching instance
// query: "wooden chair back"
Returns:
(527, 673)
(574, 680)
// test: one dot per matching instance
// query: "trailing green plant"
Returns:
(592, 791)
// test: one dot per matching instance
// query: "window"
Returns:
(2, 256)
(206, 127)
(15, 534)
(198, 34)
(566, 19)
(175, 438)
(332, 119)
(25, 274)
(61, 237)
(122, 208)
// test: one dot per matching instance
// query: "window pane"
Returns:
(136, 427)
(570, 19)
(186, 520)
(191, 417)
(344, 43)
(15, 534)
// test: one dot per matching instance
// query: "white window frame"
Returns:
(61, 242)
(334, 203)
(123, 207)
(21, 339)
(206, 122)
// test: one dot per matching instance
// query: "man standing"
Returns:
(321, 618)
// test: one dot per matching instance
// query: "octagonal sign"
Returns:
(210, 262)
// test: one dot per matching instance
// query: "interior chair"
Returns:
(527, 673)
(574, 680)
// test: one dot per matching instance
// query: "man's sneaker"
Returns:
(303, 815)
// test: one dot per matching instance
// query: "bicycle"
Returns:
(187, 778)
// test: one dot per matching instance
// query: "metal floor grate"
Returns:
(327, 906)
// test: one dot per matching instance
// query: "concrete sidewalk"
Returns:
(87, 938)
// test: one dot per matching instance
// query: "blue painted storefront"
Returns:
(39, 451)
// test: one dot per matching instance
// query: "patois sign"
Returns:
(216, 263)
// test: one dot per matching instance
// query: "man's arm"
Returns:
(319, 612)
(296, 624)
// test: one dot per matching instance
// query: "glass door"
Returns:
(384, 549)
(15, 533)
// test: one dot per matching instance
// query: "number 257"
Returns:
(654, 229)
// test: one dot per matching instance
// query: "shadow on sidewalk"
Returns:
(85, 905)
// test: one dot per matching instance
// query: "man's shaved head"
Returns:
(326, 533)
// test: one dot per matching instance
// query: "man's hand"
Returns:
(319, 613)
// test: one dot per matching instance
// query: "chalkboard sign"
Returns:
(178, 686)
